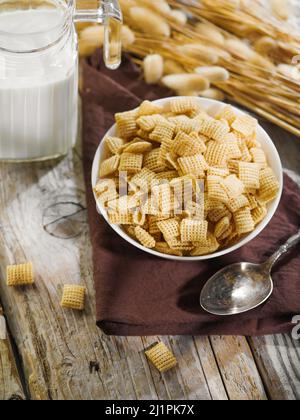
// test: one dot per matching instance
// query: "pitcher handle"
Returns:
(110, 15)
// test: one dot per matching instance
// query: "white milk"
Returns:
(38, 91)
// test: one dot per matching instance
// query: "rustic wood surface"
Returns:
(63, 355)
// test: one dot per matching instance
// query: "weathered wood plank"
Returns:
(278, 359)
(238, 368)
(10, 383)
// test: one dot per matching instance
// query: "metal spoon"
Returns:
(242, 287)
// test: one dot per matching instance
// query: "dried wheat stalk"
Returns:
(227, 47)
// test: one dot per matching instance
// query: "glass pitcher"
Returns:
(39, 72)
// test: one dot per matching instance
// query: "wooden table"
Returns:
(51, 353)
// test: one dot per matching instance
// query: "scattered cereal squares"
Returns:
(20, 275)
(73, 297)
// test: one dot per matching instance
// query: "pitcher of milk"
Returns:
(39, 72)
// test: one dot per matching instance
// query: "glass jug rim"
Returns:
(63, 26)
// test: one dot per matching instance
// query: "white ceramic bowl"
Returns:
(274, 162)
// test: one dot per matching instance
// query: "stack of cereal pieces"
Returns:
(183, 182)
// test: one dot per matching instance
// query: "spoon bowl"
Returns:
(236, 289)
(242, 287)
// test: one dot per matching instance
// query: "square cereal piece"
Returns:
(169, 228)
(245, 125)
(233, 149)
(131, 162)
(194, 230)
(187, 125)
(114, 144)
(126, 124)
(148, 123)
(109, 166)
(244, 221)
(237, 203)
(73, 297)
(228, 114)
(142, 180)
(188, 145)
(216, 154)
(249, 175)
(233, 186)
(184, 105)
(259, 156)
(209, 247)
(151, 161)
(149, 108)
(193, 165)
(216, 190)
(19, 275)
(269, 186)
(144, 237)
(161, 357)
(214, 129)
(163, 131)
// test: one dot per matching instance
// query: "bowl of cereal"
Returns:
(187, 178)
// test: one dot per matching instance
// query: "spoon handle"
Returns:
(291, 243)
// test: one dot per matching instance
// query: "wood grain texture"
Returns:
(10, 383)
(64, 355)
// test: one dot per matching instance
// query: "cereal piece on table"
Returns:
(149, 108)
(138, 147)
(184, 105)
(144, 237)
(237, 203)
(233, 186)
(73, 297)
(161, 357)
(245, 125)
(258, 214)
(114, 144)
(188, 145)
(249, 175)
(214, 129)
(244, 221)
(169, 228)
(216, 154)
(194, 230)
(195, 165)
(163, 131)
(126, 124)
(164, 248)
(19, 275)
(269, 186)
(220, 172)
(211, 246)
(131, 162)
(151, 161)
(215, 189)
(228, 114)
(148, 123)
(222, 226)
(259, 156)
(120, 218)
(142, 180)
(109, 166)
(233, 149)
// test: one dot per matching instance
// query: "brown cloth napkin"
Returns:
(139, 294)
